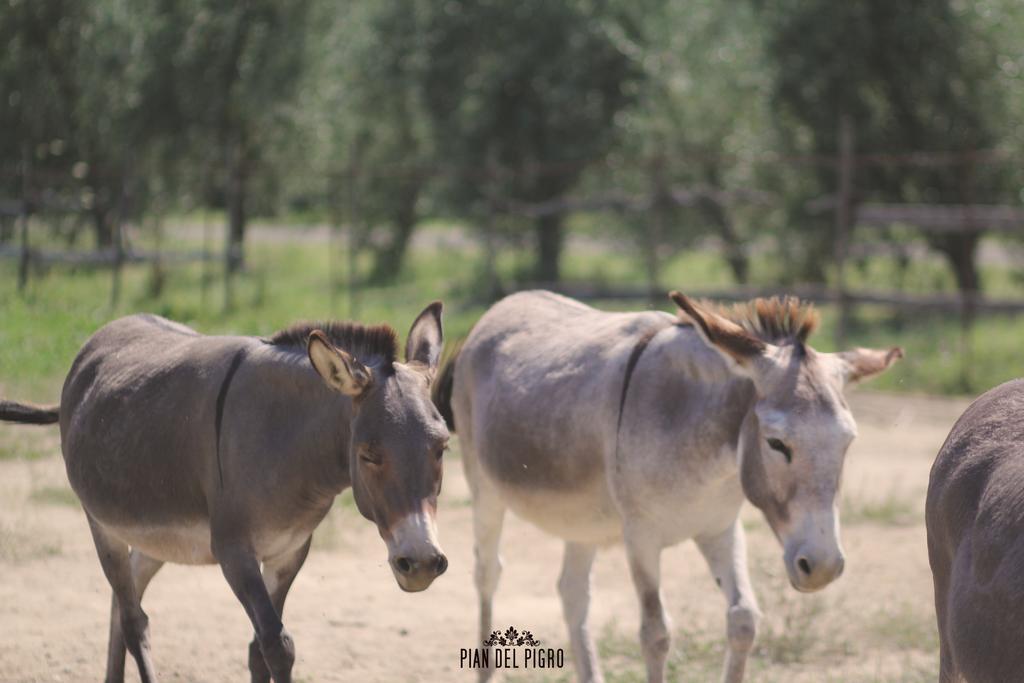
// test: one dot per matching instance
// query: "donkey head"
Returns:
(794, 440)
(398, 438)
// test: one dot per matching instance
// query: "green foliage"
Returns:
(523, 96)
(115, 105)
(42, 331)
(908, 76)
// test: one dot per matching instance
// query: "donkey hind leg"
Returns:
(947, 666)
(488, 519)
(726, 555)
(115, 560)
(242, 571)
(144, 568)
(574, 588)
(278, 574)
(644, 555)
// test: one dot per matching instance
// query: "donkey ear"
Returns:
(342, 371)
(858, 364)
(723, 335)
(720, 333)
(425, 337)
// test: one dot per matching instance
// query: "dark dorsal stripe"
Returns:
(221, 398)
(634, 358)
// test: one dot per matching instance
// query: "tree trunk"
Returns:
(388, 260)
(735, 255)
(961, 251)
(102, 226)
(236, 191)
(550, 238)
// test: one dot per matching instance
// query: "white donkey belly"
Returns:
(587, 516)
(179, 543)
(700, 511)
(594, 519)
(191, 543)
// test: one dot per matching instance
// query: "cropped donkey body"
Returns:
(194, 449)
(975, 521)
(650, 429)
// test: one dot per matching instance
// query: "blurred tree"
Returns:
(66, 116)
(382, 128)
(522, 96)
(911, 76)
(703, 100)
(240, 66)
(120, 98)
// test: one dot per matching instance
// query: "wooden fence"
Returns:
(656, 202)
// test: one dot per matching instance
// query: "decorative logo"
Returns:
(511, 637)
(511, 649)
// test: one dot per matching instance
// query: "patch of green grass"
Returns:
(901, 627)
(44, 328)
(55, 495)
(891, 510)
(18, 442)
(695, 656)
(940, 358)
(20, 545)
(792, 633)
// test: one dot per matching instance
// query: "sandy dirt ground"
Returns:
(350, 621)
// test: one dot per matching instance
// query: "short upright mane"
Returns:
(375, 345)
(774, 320)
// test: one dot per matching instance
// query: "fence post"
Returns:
(967, 297)
(205, 275)
(844, 219)
(25, 256)
(655, 232)
(115, 275)
(331, 190)
(121, 213)
(157, 276)
(352, 257)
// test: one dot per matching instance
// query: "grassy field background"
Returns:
(294, 273)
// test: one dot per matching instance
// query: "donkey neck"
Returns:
(314, 421)
(698, 404)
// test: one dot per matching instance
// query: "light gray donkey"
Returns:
(199, 449)
(651, 429)
(975, 520)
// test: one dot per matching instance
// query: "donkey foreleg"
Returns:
(644, 555)
(726, 555)
(133, 625)
(143, 569)
(574, 588)
(278, 575)
(488, 519)
(242, 571)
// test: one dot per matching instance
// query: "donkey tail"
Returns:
(444, 383)
(28, 414)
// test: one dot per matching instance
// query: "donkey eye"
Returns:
(777, 445)
(369, 457)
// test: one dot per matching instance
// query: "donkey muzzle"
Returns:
(415, 557)
(811, 569)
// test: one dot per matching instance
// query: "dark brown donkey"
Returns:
(198, 449)
(975, 520)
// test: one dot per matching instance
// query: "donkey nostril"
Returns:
(404, 565)
(804, 566)
(442, 565)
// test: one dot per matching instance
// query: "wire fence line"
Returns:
(51, 196)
